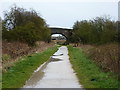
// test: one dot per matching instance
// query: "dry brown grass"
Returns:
(105, 56)
(17, 49)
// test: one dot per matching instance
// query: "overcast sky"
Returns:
(63, 13)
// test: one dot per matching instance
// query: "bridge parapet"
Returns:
(64, 31)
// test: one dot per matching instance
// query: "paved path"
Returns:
(57, 73)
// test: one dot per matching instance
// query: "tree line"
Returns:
(27, 26)
(100, 30)
(24, 25)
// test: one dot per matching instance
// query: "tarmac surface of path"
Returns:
(56, 73)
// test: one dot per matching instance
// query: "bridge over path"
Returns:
(63, 31)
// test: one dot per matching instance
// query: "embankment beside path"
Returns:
(17, 75)
(12, 51)
(89, 74)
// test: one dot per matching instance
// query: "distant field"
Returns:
(59, 41)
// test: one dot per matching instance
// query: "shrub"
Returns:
(26, 26)
(97, 31)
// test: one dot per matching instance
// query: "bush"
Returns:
(98, 31)
(25, 26)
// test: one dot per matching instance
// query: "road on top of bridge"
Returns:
(56, 73)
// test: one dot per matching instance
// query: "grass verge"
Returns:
(89, 74)
(16, 76)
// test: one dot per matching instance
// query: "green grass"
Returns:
(89, 74)
(16, 76)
